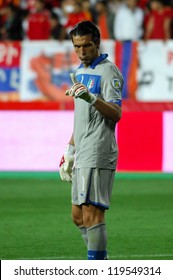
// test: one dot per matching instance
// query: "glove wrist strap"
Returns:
(93, 99)
(70, 149)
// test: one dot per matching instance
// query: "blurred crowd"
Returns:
(116, 19)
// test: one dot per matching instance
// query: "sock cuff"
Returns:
(95, 226)
(97, 255)
(82, 229)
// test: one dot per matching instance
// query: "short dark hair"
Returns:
(84, 28)
(104, 2)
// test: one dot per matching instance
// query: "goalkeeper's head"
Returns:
(86, 27)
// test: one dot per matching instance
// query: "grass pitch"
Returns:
(35, 218)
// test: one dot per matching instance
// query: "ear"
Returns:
(98, 46)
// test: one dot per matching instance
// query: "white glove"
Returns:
(66, 163)
(78, 90)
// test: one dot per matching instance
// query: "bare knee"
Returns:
(78, 221)
(92, 215)
(77, 217)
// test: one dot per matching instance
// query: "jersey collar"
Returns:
(96, 61)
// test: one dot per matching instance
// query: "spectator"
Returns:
(88, 10)
(58, 32)
(158, 21)
(74, 13)
(11, 26)
(38, 22)
(50, 4)
(114, 5)
(143, 4)
(8, 2)
(105, 19)
(28, 5)
(128, 24)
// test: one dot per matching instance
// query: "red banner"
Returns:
(10, 54)
(140, 141)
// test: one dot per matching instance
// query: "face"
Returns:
(85, 49)
(38, 5)
(100, 7)
(131, 3)
(155, 5)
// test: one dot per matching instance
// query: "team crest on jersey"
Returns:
(116, 84)
(90, 83)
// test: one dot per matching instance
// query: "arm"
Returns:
(149, 28)
(167, 28)
(109, 110)
(67, 161)
(71, 142)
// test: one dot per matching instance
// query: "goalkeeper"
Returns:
(97, 91)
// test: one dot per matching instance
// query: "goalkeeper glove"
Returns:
(78, 90)
(66, 163)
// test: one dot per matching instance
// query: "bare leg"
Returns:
(77, 218)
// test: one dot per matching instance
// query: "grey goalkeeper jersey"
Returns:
(94, 135)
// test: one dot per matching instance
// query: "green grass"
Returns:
(35, 218)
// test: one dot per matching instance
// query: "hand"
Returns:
(66, 164)
(65, 173)
(78, 90)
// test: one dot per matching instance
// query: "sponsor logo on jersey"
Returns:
(90, 83)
